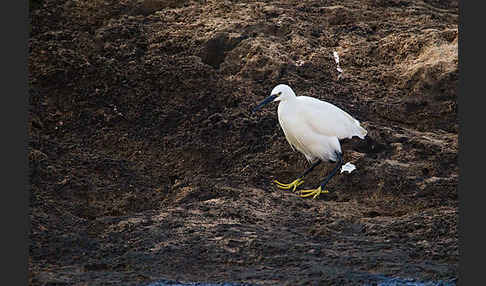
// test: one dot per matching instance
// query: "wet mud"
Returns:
(147, 164)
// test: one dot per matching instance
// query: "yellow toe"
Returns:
(313, 192)
(293, 185)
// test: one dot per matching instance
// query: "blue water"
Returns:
(379, 280)
(396, 281)
(173, 283)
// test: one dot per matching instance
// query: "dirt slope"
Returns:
(146, 162)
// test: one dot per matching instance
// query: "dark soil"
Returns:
(146, 162)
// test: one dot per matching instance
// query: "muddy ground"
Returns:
(146, 162)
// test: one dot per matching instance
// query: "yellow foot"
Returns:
(292, 185)
(315, 192)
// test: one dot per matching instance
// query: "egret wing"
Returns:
(328, 119)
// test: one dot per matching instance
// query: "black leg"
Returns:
(297, 182)
(310, 169)
(334, 171)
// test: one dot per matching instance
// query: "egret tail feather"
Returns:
(362, 132)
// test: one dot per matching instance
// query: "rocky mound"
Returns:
(146, 162)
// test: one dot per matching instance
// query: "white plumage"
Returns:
(313, 127)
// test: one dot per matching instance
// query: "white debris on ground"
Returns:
(338, 67)
(348, 167)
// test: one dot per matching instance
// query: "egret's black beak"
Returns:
(265, 101)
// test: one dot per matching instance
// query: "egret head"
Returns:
(279, 93)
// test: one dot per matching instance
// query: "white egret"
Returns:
(313, 127)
